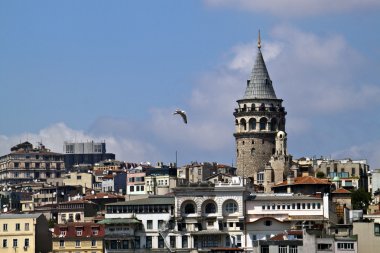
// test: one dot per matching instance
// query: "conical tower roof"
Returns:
(260, 85)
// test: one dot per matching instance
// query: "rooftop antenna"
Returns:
(259, 41)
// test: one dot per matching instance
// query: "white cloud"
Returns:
(368, 151)
(296, 8)
(54, 136)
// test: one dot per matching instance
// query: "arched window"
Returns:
(244, 108)
(263, 123)
(189, 208)
(210, 208)
(243, 125)
(273, 124)
(252, 124)
(252, 107)
(230, 206)
(236, 122)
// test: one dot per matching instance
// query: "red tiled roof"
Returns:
(342, 190)
(305, 180)
(72, 227)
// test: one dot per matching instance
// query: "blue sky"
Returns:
(116, 70)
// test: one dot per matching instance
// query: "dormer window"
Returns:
(79, 232)
(95, 231)
(63, 232)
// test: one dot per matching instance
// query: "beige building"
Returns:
(86, 180)
(26, 233)
(368, 236)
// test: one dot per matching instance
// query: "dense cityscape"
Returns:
(87, 200)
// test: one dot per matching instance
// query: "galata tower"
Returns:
(258, 117)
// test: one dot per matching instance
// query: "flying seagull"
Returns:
(182, 113)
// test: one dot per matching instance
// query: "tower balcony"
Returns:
(259, 111)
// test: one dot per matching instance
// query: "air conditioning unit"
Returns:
(25, 247)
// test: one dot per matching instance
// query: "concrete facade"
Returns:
(26, 233)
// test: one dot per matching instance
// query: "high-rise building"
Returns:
(258, 118)
(85, 153)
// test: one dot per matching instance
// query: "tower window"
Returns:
(252, 124)
(242, 142)
(263, 123)
(253, 151)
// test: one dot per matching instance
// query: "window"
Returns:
(238, 240)
(324, 246)
(268, 223)
(353, 172)
(149, 224)
(77, 243)
(93, 243)
(95, 231)
(346, 245)
(79, 177)
(14, 243)
(293, 249)
(63, 232)
(5, 227)
(79, 232)
(377, 228)
(148, 242)
(26, 226)
(264, 249)
(282, 249)
(137, 242)
(210, 223)
(303, 206)
(160, 223)
(318, 205)
(131, 188)
(5, 243)
(210, 208)
(189, 208)
(161, 243)
(263, 123)
(231, 207)
(263, 207)
(228, 241)
(185, 242)
(26, 242)
(61, 243)
(172, 241)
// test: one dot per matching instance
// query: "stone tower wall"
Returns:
(253, 153)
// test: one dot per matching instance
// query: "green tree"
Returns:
(320, 174)
(360, 199)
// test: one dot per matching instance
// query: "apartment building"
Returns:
(26, 163)
(78, 237)
(27, 233)
(140, 225)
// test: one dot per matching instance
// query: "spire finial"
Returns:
(259, 41)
